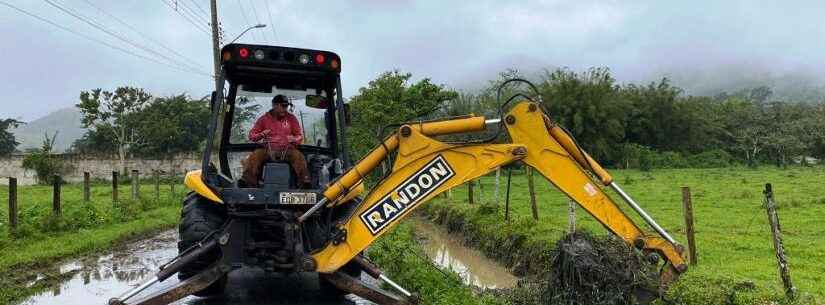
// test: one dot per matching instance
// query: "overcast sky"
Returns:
(702, 44)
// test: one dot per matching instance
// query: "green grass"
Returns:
(43, 239)
(732, 232)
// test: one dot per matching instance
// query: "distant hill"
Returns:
(66, 121)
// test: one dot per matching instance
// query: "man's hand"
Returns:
(261, 136)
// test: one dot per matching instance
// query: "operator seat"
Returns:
(278, 175)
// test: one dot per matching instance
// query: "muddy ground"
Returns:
(96, 278)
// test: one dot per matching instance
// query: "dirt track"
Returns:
(95, 279)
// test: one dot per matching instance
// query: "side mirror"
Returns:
(347, 115)
(316, 101)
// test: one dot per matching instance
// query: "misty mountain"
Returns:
(66, 121)
(800, 85)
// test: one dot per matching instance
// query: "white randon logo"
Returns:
(406, 195)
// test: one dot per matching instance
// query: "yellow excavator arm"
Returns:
(425, 167)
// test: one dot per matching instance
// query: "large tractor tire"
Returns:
(200, 217)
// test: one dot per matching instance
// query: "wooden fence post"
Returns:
(507, 194)
(86, 186)
(470, 191)
(135, 184)
(114, 186)
(172, 181)
(480, 190)
(687, 206)
(157, 185)
(498, 184)
(56, 195)
(532, 190)
(12, 204)
(773, 218)
(571, 216)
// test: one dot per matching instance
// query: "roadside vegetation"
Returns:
(43, 239)
(736, 262)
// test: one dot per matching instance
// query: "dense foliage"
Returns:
(172, 125)
(622, 125)
(130, 121)
(610, 120)
(390, 99)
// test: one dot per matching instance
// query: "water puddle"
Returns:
(93, 280)
(474, 267)
(96, 279)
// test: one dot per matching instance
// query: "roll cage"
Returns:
(282, 68)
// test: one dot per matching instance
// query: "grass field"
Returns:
(43, 239)
(732, 231)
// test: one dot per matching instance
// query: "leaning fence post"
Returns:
(532, 190)
(56, 195)
(114, 186)
(571, 216)
(470, 191)
(773, 218)
(86, 186)
(135, 184)
(687, 206)
(12, 204)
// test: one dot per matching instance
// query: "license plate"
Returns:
(298, 198)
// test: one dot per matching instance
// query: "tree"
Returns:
(589, 105)
(390, 99)
(785, 130)
(747, 127)
(245, 112)
(171, 125)
(115, 111)
(8, 143)
(95, 141)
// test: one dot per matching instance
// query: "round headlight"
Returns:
(304, 59)
(259, 54)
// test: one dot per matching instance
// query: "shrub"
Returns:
(44, 163)
(710, 159)
(668, 159)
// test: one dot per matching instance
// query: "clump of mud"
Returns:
(588, 270)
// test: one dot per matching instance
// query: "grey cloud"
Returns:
(703, 45)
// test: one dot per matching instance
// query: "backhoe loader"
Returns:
(281, 228)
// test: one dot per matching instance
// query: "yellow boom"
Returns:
(425, 167)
